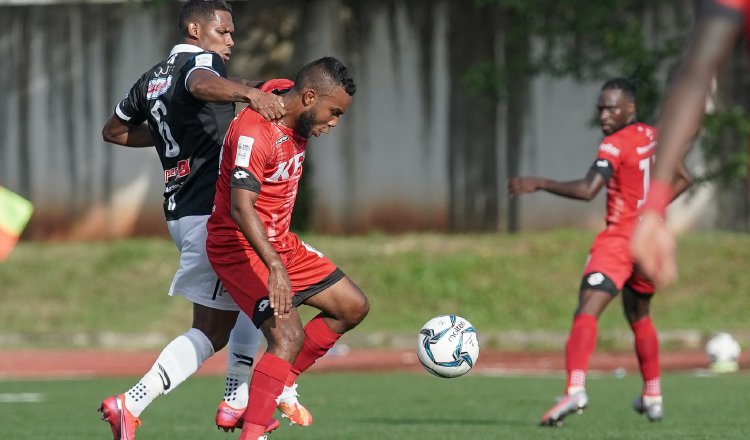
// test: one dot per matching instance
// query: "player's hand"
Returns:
(268, 105)
(521, 185)
(279, 292)
(653, 247)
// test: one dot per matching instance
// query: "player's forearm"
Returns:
(577, 189)
(684, 108)
(121, 133)
(211, 88)
(681, 181)
(252, 228)
(245, 82)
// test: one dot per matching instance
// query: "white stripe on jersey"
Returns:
(120, 114)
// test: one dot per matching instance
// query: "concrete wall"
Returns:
(65, 66)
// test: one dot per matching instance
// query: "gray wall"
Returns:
(64, 67)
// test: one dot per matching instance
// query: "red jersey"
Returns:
(625, 158)
(263, 157)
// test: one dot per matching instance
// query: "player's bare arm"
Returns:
(684, 108)
(247, 219)
(246, 82)
(582, 189)
(117, 131)
(209, 87)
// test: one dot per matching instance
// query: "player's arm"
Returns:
(581, 189)
(246, 82)
(684, 108)
(205, 85)
(681, 181)
(244, 214)
(117, 131)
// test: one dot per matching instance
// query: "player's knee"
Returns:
(286, 342)
(357, 311)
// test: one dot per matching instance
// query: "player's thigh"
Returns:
(195, 279)
(343, 299)
(608, 266)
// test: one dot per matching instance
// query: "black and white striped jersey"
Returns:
(188, 133)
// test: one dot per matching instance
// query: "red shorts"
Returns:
(245, 277)
(609, 266)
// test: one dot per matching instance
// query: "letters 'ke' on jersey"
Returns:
(263, 157)
(187, 132)
(625, 159)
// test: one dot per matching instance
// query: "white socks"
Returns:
(178, 361)
(243, 346)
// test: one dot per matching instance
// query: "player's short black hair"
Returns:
(323, 74)
(626, 85)
(200, 10)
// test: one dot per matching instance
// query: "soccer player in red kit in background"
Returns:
(264, 266)
(719, 25)
(622, 164)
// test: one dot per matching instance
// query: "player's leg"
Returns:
(636, 301)
(213, 317)
(607, 269)
(243, 346)
(285, 337)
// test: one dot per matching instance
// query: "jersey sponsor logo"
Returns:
(204, 59)
(610, 148)
(158, 87)
(595, 279)
(281, 140)
(288, 169)
(244, 149)
(181, 170)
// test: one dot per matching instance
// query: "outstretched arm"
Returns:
(582, 189)
(206, 86)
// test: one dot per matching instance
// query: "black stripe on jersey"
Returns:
(243, 179)
(714, 8)
(217, 288)
(603, 167)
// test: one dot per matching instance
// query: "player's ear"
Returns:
(193, 29)
(308, 97)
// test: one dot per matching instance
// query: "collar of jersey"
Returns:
(185, 48)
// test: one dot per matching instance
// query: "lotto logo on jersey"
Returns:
(158, 87)
(288, 169)
(610, 148)
(181, 170)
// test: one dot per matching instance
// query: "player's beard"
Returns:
(305, 123)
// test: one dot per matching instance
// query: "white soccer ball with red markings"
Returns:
(447, 346)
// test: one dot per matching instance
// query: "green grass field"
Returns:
(396, 406)
(499, 282)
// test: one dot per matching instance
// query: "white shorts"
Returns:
(195, 279)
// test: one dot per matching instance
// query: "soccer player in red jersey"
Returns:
(182, 106)
(264, 266)
(622, 164)
(720, 24)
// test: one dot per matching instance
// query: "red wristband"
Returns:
(658, 197)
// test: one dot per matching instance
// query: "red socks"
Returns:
(578, 350)
(265, 386)
(647, 349)
(319, 338)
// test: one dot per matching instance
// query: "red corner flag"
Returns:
(15, 212)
